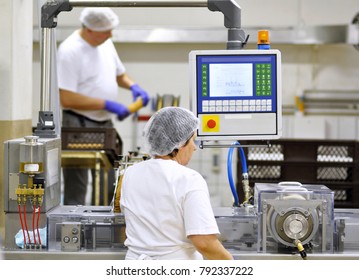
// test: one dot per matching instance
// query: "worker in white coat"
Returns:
(166, 204)
(90, 73)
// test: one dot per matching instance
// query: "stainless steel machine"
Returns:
(32, 186)
(285, 221)
(279, 221)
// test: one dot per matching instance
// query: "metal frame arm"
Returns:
(230, 9)
(50, 10)
(237, 38)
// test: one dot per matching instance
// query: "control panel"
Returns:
(236, 94)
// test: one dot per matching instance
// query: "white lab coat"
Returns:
(90, 71)
(163, 203)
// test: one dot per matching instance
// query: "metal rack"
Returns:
(333, 163)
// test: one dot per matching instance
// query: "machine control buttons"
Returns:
(71, 236)
(216, 106)
(211, 123)
(66, 239)
(75, 239)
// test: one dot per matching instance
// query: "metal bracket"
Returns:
(237, 38)
(50, 10)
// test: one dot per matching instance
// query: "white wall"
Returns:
(15, 60)
(163, 68)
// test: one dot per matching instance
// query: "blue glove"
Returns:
(137, 91)
(117, 108)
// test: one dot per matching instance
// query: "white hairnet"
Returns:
(99, 19)
(168, 129)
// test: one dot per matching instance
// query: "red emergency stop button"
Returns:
(211, 123)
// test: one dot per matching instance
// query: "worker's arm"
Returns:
(72, 100)
(210, 247)
(125, 81)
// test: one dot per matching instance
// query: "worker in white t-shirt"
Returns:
(166, 204)
(89, 75)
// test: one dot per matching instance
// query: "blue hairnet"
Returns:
(168, 129)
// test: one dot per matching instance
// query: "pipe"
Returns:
(245, 181)
(237, 38)
(45, 104)
(230, 177)
(138, 3)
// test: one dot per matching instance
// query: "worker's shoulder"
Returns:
(73, 43)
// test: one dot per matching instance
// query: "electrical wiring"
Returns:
(33, 225)
(25, 222)
(37, 224)
(21, 222)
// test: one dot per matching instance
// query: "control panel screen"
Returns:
(236, 94)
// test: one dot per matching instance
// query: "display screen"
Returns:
(236, 83)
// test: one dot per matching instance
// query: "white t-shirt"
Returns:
(89, 70)
(163, 203)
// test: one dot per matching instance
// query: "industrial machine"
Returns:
(32, 186)
(91, 228)
(289, 220)
(285, 218)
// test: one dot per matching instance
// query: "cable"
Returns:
(25, 222)
(33, 224)
(242, 156)
(37, 224)
(243, 160)
(230, 175)
(22, 224)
